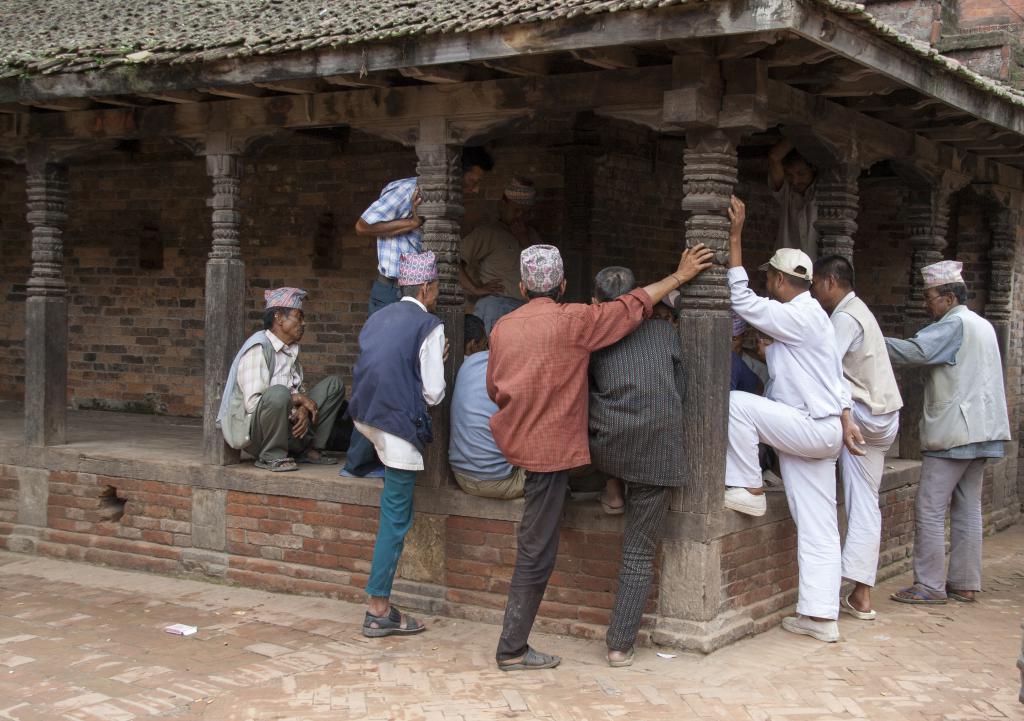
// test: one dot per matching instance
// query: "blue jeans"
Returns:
(395, 520)
(382, 294)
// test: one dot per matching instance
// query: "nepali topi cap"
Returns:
(284, 297)
(791, 261)
(739, 326)
(942, 273)
(521, 191)
(541, 268)
(417, 268)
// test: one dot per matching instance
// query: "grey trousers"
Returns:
(536, 549)
(954, 485)
(645, 511)
(270, 431)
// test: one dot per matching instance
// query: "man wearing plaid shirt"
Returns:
(394, 221)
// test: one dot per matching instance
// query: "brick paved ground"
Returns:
(86, 643)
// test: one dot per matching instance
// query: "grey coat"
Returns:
(636, 406)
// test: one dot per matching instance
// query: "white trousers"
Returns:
(862, 476)
(807, 449)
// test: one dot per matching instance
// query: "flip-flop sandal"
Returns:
(846, 607)
(622, 662)
(958, 596)
(322, 460)
(532, 661)
(390, 625)
(277, 465)
(916, 596)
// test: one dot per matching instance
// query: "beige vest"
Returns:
(965, 402)
(868, 369)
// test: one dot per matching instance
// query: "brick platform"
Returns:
(128, 492)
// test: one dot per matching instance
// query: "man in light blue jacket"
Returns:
(964, 422)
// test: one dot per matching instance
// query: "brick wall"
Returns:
(976, 14)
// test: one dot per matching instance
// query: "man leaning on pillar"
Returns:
(964, 423)
(265, 410)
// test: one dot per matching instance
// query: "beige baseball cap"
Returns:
(791, 261)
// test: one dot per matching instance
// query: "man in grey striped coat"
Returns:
(636, 409)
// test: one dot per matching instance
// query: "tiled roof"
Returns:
(78, 35)
(63, 36)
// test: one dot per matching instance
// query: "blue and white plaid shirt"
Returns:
(394, 203)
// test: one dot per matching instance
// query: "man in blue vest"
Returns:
(399, 374)
(265, 409)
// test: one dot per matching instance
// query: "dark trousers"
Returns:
(645, 512)
(270, 430)
(535, 558)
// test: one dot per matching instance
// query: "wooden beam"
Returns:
(522, 66)
(61, 104)
(608, 89)
(358, 80)
(123, 101)
(437, 73)
(235, 92)
(747, 45)
(296, 87)
(794, 52)
(608, 58)
(176, 96)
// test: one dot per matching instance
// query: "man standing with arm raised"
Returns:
(799, 416)
(537, 375)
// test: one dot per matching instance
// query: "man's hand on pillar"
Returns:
(693, 262)
(737, 212)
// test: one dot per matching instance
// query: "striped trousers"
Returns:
(645, 511)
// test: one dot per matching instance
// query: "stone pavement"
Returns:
(87, 643)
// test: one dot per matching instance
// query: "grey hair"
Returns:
(959, 290)
(612, 282)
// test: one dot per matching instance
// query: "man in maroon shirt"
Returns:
(537, 375)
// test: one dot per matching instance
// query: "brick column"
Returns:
(224, 298)
(46, 312)
(838, 202)
(439, 174)
(927, 217)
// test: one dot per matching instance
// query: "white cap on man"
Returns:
(791, 261)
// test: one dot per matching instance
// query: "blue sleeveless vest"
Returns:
(387, 389)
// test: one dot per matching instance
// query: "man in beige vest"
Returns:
(964, 422)
(871, 424)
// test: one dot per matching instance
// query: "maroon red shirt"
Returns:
(537, 374)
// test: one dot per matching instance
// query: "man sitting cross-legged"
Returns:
(265, 409)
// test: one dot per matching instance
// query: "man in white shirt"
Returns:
(398, 376)
(265, 409)
(799, 416)
(792, 181)
(875, 414)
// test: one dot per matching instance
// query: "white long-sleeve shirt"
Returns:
(397, 452)
(805, 367)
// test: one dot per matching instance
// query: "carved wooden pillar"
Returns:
(225, 295)
(927, 217)
(46, 314)
(999, 308)
(709, 176)
(439, 174)
(838, 201)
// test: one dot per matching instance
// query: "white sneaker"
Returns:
(827, 631)
(742, 500)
